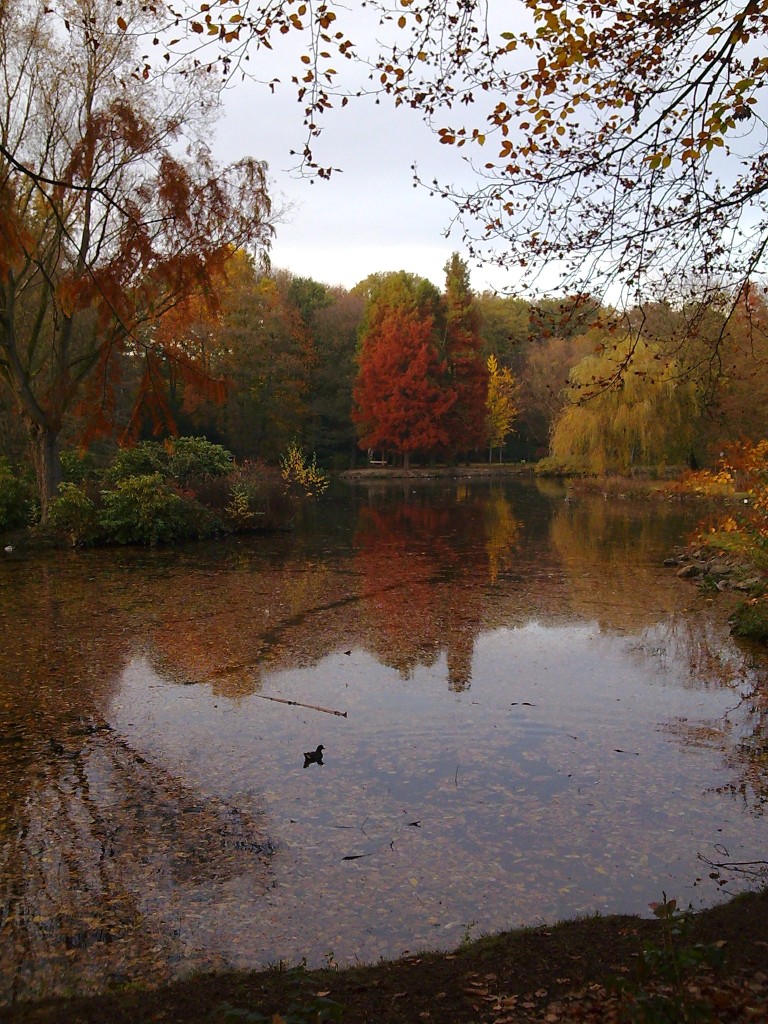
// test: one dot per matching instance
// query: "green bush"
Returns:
(77, 466)
(146, 510)
(197, 521)
(73, 515)
(15, 498)
(189, 458)
(143, 459)
(750, 620)
(182, 459)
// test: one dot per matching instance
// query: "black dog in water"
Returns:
(313, 756)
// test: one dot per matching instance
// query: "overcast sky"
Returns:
(369, 217)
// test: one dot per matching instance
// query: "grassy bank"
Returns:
(592, 969)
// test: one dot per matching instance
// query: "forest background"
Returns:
(302, 360)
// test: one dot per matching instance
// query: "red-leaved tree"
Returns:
(402, 395)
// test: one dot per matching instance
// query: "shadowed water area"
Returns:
(535, 719)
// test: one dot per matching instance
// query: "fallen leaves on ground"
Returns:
(725, 997)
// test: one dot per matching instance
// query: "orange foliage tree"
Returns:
(402, 396)
(188, 335)
(104, 226)
(745, 465)
(423, 382)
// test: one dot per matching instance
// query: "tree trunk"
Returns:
(47, 460)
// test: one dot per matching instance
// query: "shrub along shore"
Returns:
(159, 492)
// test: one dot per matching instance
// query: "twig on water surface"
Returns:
(298, 704)
(456, 778)
(752, 868)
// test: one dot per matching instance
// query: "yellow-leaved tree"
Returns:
(501, 405)
(626, 406)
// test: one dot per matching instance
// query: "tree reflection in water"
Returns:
(416, 588)
(406, 565)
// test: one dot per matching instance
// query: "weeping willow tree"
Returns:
(626, 406)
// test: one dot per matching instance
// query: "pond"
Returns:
(524, 716)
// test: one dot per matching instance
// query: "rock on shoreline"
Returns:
(715, 569)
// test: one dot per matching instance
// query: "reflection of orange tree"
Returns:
(233, 627)
(410, 557)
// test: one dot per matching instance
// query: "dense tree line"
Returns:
(401, 367)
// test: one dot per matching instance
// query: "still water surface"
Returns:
(534, 719)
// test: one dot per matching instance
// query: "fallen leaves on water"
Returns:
(118, 859)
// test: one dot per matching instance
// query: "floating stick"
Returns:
(298, 704)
